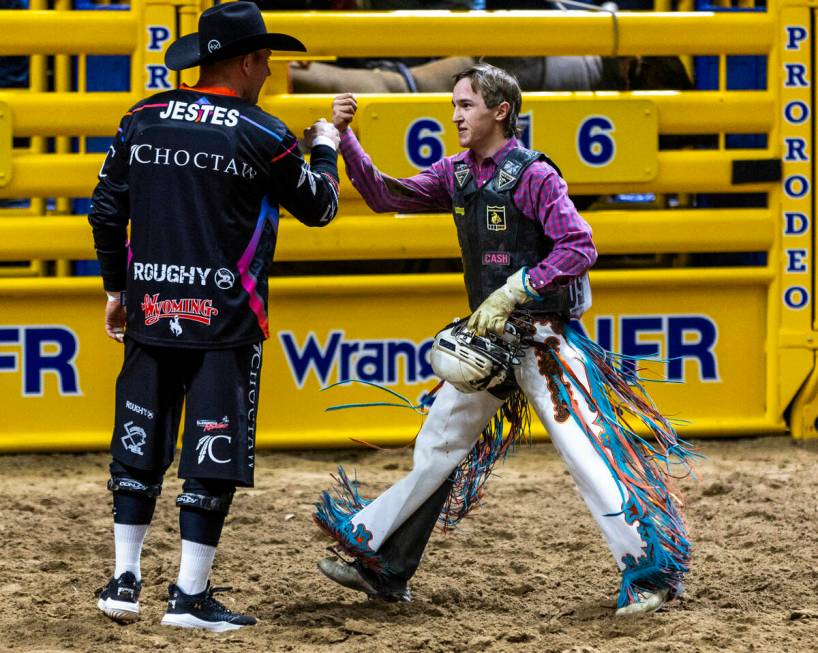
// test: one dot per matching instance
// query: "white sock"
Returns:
(128, 539)
(194, 569)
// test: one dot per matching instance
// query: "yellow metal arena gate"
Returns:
(725, 294)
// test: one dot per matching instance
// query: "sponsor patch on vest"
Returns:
(459, 210)
(507, 176)
(496, 218)
(461, 173)
(504, 179)
(496, 258)
(512, 168)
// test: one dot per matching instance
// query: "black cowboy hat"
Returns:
(227, 30)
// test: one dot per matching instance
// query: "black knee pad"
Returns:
(207, 495)
(203, 508)
(130, 480)
(126, 485)
(135, 493)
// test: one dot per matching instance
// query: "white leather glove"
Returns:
(493, 313)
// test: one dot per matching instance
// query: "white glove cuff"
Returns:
(324, 140)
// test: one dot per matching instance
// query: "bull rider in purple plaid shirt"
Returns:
(526, 252)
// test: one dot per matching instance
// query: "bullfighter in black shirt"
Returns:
(200, 173)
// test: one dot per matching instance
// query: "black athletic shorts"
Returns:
(219, 389)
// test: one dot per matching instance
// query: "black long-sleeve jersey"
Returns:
(200, 174)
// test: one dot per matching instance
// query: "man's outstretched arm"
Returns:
(423, 193)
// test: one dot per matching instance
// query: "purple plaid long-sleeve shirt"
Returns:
(540, 195)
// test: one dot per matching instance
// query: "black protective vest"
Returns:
(495, 238)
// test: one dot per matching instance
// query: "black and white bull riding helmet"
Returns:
(472, 363)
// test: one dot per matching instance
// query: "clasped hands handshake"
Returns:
(343, 110)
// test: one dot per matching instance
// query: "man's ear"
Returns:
(502, 111)
(247, 63)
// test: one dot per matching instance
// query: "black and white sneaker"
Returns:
(119, 599)
(202, 611)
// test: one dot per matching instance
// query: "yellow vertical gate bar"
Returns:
(138, 54)
(156, 32)
(82, 81)
(188, 23)
(37, 83)
(774, 255)
(792, 73)
(62, 84)
(722, 87)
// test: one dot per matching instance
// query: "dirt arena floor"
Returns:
(528, 572)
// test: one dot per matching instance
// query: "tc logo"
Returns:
(224, 278)
(213, 45)
(205, 448)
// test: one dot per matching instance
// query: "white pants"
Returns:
(456, 420)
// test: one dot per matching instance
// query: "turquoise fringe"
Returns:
(333, 514)
(641, 467)
(509, 428)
